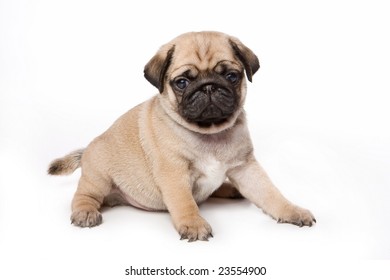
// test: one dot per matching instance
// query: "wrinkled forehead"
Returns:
(204, 52)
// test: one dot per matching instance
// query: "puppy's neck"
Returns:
(226, 134)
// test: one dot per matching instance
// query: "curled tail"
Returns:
(67, 164)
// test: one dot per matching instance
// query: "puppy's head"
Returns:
(201, 78)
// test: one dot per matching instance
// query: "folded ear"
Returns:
(157, 67)
(246, 56)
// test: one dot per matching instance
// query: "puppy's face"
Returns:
(201, 78)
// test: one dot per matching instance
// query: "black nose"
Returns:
(209, 88)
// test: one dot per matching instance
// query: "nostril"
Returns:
(209, 88)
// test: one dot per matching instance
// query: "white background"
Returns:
(318, 111)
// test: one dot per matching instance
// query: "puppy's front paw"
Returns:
(86, 218)
(297, 216)
(194, 228)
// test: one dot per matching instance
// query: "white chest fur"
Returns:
(209, 175)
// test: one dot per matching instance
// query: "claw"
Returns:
(205, 238)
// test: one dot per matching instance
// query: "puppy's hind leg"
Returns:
(87, 201)
(227, 190)
(115, 198)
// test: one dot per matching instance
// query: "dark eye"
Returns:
(181, 83)
(232, 77)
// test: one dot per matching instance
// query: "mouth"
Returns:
(206, 107)
(209, 123)
(212, 114)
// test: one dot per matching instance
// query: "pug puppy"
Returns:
(183, 145)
